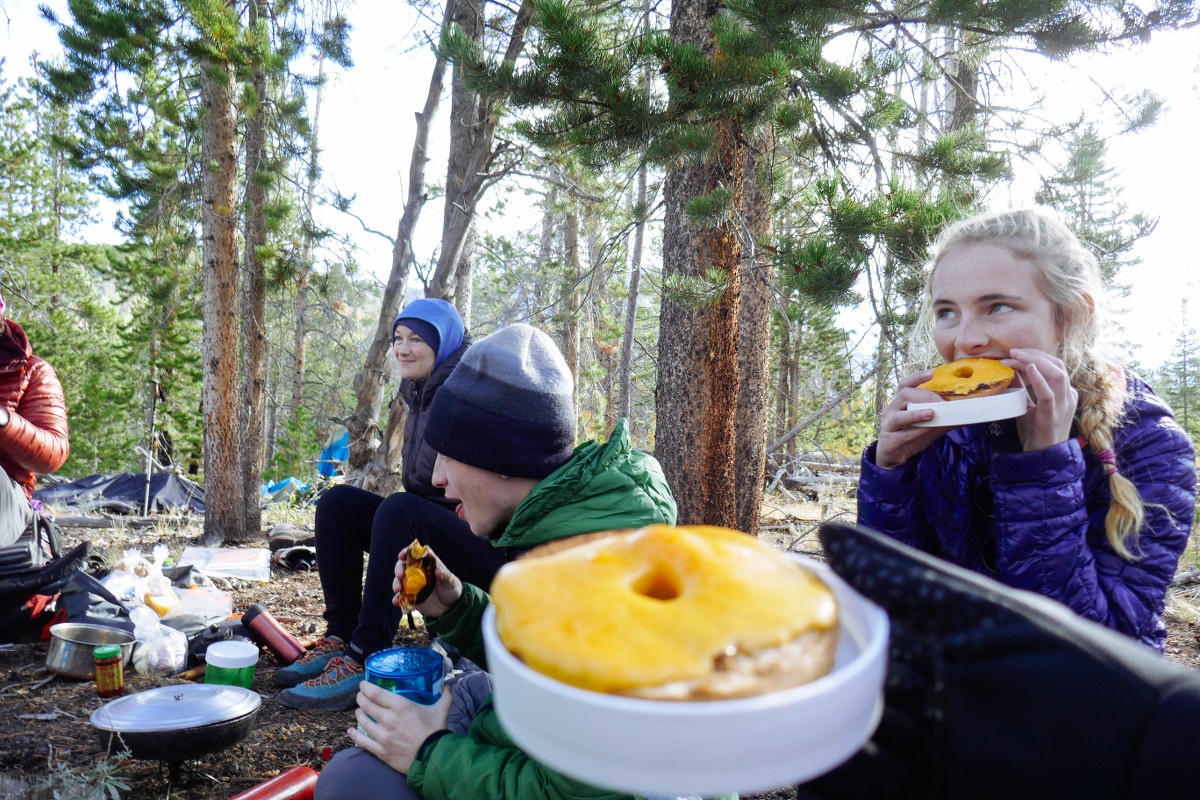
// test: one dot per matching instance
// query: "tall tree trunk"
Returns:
(569, 311)
(696, 397)
(469, 117)
(468, 16)
(369, 383)
(223, 518)
(464, 289)
(753, 360)
(254, 307)
(304, 276)
(625, 379)
(598, 305)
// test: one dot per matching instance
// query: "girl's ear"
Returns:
(1066, 318)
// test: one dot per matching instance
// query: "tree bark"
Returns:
(754, 337)
(696, 398)
(223, 518)
(304, 275)
(569, 311)
(699, 439)
(625, 373)
(254, 307)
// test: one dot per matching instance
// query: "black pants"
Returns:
(352, 521)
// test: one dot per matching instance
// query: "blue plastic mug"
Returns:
(413, 672)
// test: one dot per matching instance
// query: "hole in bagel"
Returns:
(965, 371)
(658, 584)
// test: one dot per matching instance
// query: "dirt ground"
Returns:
(48, 730)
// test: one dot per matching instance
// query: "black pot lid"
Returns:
(174, 708)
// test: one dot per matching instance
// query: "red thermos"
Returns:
(266, 631)
(296, 783)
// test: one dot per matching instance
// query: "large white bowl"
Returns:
(706, 748)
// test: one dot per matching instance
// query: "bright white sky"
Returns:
(366, 130)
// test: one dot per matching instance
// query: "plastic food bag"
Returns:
(126, 574)
(159, 647)
(198, 607)
(138, 580)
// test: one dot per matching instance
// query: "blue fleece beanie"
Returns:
(426, 314)
(507, 407)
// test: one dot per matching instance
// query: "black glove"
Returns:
(996, 692)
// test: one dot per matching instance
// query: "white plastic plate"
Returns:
(1009, 403)
(706, 748)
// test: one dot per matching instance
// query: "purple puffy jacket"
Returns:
(1035, 520)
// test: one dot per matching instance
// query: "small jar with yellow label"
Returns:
(110, 671)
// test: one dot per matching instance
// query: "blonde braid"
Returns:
(1101, 400)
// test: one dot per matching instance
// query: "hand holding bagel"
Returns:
(1048, 422)
(899, 441)
(441, 591)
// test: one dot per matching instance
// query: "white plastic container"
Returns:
(744, 745)
(951, 413)
(231, 663)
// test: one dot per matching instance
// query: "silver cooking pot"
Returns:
(177, 723)
(72, 643)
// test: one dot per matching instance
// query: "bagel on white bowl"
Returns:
(594, 681)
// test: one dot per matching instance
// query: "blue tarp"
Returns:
(334, 454)
(280, 491)
(125, 493)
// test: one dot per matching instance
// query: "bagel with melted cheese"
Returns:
(667, 613)
(969, 377)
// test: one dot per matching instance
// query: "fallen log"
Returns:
(1185, 578)
(821, 480)
(85, 522)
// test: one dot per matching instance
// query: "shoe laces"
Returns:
(339, 669)
(324, 646)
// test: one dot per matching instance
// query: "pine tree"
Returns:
(1085, 190)
(157, 88)
(50, 287)
(1181, 376)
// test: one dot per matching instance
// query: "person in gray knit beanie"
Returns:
(503, 425)
(508, 406)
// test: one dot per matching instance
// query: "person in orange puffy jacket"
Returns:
(33, 427)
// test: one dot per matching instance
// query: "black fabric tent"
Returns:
(126, 493)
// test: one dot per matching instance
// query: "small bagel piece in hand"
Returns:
(969, 377)
(667, 613)
(418, 581)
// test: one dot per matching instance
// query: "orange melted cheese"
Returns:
(654, 605)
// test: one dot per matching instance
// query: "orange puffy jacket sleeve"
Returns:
(36, 437)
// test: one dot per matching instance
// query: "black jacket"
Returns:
(416, 469)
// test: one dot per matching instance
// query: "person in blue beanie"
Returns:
(428, 341)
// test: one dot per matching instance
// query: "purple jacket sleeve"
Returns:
(890, 502)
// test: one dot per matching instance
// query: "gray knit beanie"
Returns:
(507, 407)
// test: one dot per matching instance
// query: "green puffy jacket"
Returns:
(602, 487)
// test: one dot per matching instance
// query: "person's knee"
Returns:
(399, 504)
(354, 773)
(398, 519)
(333, 498)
